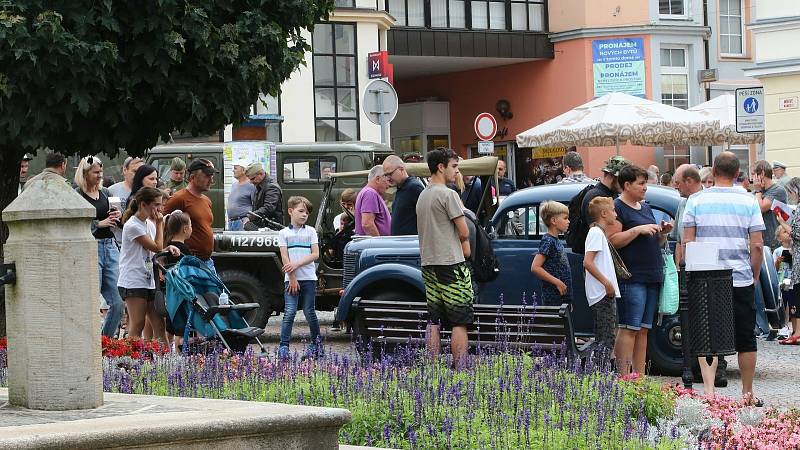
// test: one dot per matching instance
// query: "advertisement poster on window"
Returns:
(247, 152)
(540, 165)
(618, 66)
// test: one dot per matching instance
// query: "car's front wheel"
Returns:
(664, 347)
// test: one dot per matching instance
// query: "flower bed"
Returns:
(132, 347)
(721, 423)
(502, 401)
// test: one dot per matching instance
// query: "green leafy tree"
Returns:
(93, 76)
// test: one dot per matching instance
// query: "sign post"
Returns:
(750, 110)
(380, 104)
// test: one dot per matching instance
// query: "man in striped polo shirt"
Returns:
(731, 218)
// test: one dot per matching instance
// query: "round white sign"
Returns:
(485, 126)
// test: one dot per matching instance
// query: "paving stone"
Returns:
(777, 370)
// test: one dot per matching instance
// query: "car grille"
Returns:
(349, 268)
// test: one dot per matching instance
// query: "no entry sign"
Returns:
(485, 126)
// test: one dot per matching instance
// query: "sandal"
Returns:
(752, 400)
(792, 340)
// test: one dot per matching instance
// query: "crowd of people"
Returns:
(625, 241)
(134, 219)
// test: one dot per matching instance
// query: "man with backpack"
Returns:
(444, 247)
(578, 208)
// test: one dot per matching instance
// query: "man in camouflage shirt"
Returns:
(177, 176)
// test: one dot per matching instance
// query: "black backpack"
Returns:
(484, 263)
(578, 228)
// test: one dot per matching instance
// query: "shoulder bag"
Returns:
(619, 266)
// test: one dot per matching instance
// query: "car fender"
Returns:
(388, 272)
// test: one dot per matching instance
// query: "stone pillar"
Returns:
(53, 318)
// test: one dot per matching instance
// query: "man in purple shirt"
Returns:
(372, 215)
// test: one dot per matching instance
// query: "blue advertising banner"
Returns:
(618, 66)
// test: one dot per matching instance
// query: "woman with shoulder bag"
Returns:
(89, 178)
(639, 241)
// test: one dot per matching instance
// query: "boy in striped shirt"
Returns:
(730, 217)
(299, 249)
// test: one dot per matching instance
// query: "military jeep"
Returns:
(249, 261)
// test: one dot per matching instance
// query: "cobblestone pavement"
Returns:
(777, 379)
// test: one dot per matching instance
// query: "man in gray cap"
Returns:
(240, 200)
(177, 179)
(779, 173)
(268, 198)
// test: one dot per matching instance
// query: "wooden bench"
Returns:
(512, 326)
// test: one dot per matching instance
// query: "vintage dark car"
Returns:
(387, 268)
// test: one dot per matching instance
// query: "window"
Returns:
(305, 170)
(517, 15)
(520, 223)
(674, 78)
(672, 8)
(488, 15)
(270, 104)
(438, 140)
(407, 144)
(345, 3)
(409, 13)
(335, 82)
(447, 13)
(742, 152)
(527, 15)
(730, 27)
(674, 156)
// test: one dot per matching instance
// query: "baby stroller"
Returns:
(192, 303)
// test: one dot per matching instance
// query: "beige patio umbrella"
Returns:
(617, 118)
(723, 109)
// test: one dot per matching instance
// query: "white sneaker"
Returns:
(784, 332)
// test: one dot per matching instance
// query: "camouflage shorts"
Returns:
(448, 291)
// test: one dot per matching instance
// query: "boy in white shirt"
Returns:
(601, 285)
(299, 249)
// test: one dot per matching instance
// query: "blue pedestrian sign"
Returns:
(750, 110)
(750, 105)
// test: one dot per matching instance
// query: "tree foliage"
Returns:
(91, 76)
(98, 75)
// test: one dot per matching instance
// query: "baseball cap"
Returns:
(203, 164)
(615, 164)
(27, 157)
(777, 164)
(241, 162)
(254, 169)
(177, 164)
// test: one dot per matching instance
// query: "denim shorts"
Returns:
(638, 305)
(147, 294)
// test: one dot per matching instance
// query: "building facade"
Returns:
(321, 101)
(524, 61)
(776, 31)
